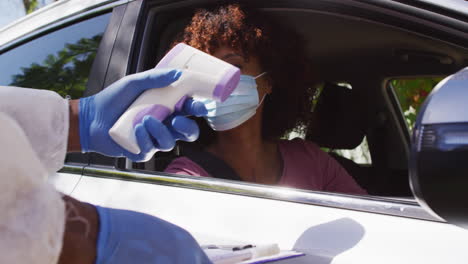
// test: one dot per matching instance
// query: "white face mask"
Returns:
(239, 107)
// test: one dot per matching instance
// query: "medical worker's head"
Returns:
(257, 44)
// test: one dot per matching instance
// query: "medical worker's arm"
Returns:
(98, 113)
(81, 232)
(122, 236)
(47, 120)
(73, 144)
(105, 235)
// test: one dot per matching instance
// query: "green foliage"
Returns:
(30, 5)
(411, 94)
(65, 72)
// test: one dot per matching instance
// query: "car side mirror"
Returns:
(439, 151)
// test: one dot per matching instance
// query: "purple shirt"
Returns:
(305, 166)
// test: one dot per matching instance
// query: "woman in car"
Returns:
(274, 97)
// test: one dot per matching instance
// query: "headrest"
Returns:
(337, 121)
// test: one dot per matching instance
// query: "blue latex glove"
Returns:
(98, 113)
(132, 237)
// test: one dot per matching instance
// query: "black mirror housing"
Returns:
(439, 151)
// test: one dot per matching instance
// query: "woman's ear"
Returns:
(265, 83)
(268, 85)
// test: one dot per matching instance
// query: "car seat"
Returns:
(338, 122)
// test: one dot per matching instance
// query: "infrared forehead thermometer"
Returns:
(203, 76)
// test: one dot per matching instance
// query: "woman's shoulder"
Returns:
(303, 164)
(303, 150)
(299, 144)
(328, 175)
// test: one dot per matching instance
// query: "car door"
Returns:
(328, 227)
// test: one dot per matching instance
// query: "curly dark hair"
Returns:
(280, 51)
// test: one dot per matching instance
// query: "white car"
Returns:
(379, 59)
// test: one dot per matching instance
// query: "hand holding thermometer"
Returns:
(203, 76)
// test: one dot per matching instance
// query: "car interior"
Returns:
(342, 48)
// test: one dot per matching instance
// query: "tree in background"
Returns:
(65, 72)
(32, 5)
(411, 94)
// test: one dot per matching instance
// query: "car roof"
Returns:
(45, 17)
(65, 9)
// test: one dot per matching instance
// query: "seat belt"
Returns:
(215, 166)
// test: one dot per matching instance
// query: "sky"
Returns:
(11, 10)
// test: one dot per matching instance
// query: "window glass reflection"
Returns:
(59, 61)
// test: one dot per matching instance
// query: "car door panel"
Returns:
(66, 182)
(326, 234)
